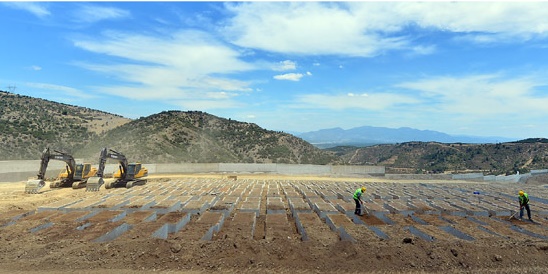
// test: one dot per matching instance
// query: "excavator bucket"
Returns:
(94, 183)
(34, 186)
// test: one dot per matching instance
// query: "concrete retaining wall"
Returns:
(11, 171)
(503, 178)
(182, 168)
(539, 171)
(348, 170)
(468, 176)
(418, 176)
(22, 170)
(514, 178)
(303, 169)
(241, 167)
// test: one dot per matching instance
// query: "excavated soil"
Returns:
(272, 224)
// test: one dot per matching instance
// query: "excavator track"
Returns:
(34, 186)
(61, 183)
(126, 183)
(56, 184)
(79, 184)
(138, 182)
(94, 183)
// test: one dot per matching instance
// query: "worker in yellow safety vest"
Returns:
(358, 199)
(524, 203)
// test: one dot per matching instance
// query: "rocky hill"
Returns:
(28, 125)
(432, 157)
(198, 137)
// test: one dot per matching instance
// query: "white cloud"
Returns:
(64, 91)
(289, 76)
(373, 101)
(304, 28)
(171, 67)
(371, 28)
(93, 13)
(38, 9)
(285, 65)
(206, 105)
(36, 68)
(424, 50)
(517, 18)
(482, 95)
(220, 95)
(350, 94)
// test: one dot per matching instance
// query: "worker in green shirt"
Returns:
(358, 199)
(524, 203)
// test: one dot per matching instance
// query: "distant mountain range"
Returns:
(367, 136)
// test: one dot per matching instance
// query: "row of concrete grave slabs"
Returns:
(113, 215)
(500, 201)
(458, 207)
(407, 207)
(200, 209)
(427, 227)
(242, 226)
(473, 201)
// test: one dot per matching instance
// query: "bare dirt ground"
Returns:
(54, 241)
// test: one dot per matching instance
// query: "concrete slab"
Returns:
(196, 230)
(277, 226)
(298, 204)
(226, 203)
(316, 229)
(195, 206)
(275, 205)
(242, 225)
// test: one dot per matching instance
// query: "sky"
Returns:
(461, 68)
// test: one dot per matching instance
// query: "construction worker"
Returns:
(358, 199)
(524, 202)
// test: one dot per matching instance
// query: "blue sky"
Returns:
(462, 68)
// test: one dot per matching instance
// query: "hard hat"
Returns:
(521, 193)
(363, 189)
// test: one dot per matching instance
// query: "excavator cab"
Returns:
(134, 171)
(79, 172)
(84, 171)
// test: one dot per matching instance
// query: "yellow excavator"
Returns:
(81, 174)
(127, 175)
(74, 176)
